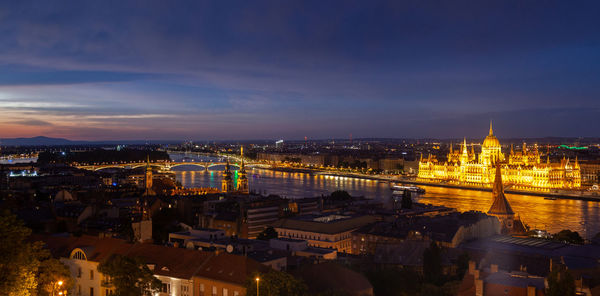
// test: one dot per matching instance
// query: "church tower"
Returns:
(500, 206)
(242, 184)
(227, 182)
(148, 178)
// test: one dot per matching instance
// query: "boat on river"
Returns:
(399, 189)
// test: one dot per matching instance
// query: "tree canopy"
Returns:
(50, 273)
(560, 283)
(130, 276)
(406, 201)
(340, 195)
(568, 236)
(432, 265)
(276, 283)
(268, 234)
(26, 268)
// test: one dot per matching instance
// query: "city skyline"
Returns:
(187, 70)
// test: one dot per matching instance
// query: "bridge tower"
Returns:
(227, 182)
(242, 185)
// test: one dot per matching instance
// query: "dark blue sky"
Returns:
(289, 69)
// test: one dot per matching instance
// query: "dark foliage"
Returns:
(163, 223)
(267, 234)
(432, 265)
(406, 201)
(276, 283)
(340, 195)
(560, 283)
(130, 276)
(568, 236)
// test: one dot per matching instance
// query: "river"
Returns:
(535, 211)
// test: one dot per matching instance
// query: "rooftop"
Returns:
(309, 224)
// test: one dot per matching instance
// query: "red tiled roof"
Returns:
(170, 261)
(96, 249)
(231, 268)
(167, 261)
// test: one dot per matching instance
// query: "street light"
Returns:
(59, 284)
(257, 280)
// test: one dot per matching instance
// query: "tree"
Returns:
(462, 265)
(394, 281)
(267, 234)
(276, 283)
(432, 264)
(164, 222)
(406, 201)
(18, 258)
(560, 283)
(568, 236)
(130, 276)
(340, 195)
(50, 273)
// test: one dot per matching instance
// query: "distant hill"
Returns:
(47, 141)
(38, 141)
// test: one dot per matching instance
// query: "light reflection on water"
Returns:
(552, 215)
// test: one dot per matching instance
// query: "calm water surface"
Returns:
(552, 215)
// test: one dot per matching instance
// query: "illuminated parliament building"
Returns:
(520, 169)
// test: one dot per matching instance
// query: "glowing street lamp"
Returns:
(257, 280)
(59, 284)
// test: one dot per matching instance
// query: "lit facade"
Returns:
(521, 169)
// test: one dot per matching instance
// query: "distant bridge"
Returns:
(166, 165)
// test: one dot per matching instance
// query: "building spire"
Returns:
(500, 205)
(491, 130)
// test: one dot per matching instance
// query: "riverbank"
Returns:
(520, 192)
(560, 195)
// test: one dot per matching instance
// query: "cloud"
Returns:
(33, 122)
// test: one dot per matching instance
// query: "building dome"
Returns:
(491, 140)
(63, 195)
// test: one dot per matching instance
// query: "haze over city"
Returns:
(158, 70)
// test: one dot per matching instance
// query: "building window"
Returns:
(91, 274)
(91, 291)
(185, 290)
(214, 290)
(225, 292)
(78, 272)
(236, 293)
(166, 288)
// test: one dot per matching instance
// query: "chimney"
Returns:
(479, 288)
(494, 268)
(531, 291)
(471, 267)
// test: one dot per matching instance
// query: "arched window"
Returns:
(78, 254)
